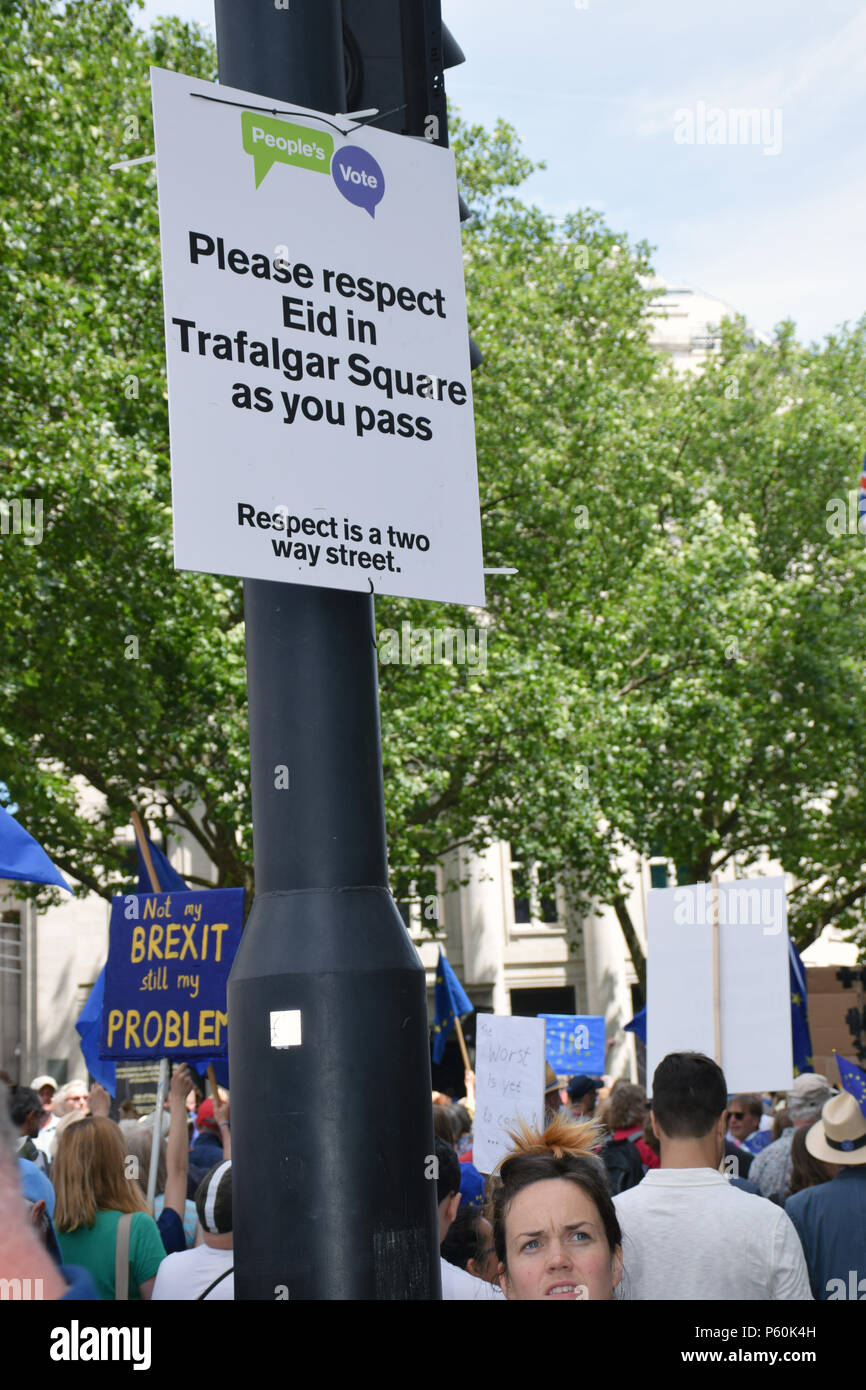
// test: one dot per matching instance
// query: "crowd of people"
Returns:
(89, 1231)
(694, 1194)
(677, 1198)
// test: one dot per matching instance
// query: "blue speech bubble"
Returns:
(359, 177)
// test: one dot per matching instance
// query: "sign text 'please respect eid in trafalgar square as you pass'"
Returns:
(320, 403)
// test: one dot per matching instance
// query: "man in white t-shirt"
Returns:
(206, 1271)
(687, 1233)
(457, 1284)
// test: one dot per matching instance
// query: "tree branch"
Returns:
(658, 675)
(632, 939)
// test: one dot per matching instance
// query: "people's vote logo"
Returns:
(359, 177)
(271, 141)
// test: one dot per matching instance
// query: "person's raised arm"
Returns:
(177, 1151)
(222, 1111)
(99, 1100)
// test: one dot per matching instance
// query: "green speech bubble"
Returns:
(270, 141)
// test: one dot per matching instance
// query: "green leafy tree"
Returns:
(728, 696)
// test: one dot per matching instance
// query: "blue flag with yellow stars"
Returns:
(450, 1002)
(800, 1036)
(853, 1080)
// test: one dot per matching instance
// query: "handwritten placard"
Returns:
(509, 1083)
(169, 956)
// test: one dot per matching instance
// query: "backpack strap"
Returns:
(225, 1274)
(121, 1259)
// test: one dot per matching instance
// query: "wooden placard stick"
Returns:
(162, 1084)
(462, 1041)
(145, 852)
(211, 1076)
(717, 997)
(459, 1029)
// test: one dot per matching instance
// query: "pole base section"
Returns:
(333, 1183)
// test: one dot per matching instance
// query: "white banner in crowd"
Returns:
(320, 403)
(754, 980)
(509, 1083)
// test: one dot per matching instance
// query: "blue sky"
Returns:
(599, 89)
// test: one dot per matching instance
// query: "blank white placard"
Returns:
(754, 979)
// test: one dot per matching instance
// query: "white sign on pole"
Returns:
(509, 1084)
(320, 403)
(754, 981)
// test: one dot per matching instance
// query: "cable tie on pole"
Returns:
(304, 114)
(270, 110)
(128, 163)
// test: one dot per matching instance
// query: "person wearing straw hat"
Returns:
(831, 1218)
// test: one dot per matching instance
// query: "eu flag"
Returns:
(800, 1036)
(853, 1080)
(21, 857)
(638, 1025)
(168, 878)
(89, 1027)
(450, 1002)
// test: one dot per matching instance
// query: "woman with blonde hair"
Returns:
(555, 1228)
(95, 1193)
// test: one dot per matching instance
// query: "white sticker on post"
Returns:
(286, 1028)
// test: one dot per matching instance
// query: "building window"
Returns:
(552, 999)
(418, 901)
(534, 892)
(521, 892)
(10, 943)
(11, 971)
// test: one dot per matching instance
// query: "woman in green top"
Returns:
(95, 1185)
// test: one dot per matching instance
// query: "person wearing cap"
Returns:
(71, 1099)
(771, 1170)
(207, 1271)
(582, 1094)
(552, 1093)
(831, 1218)
(46, 1086)
(212, 1144)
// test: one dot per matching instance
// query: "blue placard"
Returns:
(169, 956)
(574, 1043)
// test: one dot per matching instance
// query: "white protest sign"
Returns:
(320, 404)
(754, 979)
(509, 1083)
